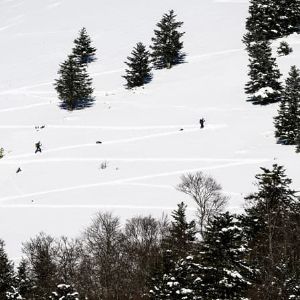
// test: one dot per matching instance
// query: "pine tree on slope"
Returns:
(24, 283)
(166, 48)
(264, 86)
(272, 19)
(225, 272)
(74, 87)
(83, 49)
(6, 272)
(139, 71)
(166, 283)
(272, 225)
(288, 119)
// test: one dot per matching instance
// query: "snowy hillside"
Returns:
(145, 150)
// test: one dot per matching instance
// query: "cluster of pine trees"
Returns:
(166, 51)
(268, 20)
(254, 255)
(74, 86)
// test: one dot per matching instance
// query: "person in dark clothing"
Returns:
(19, 170)
(38, 146)
(202, 121)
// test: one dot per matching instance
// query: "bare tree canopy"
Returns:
(207, 194)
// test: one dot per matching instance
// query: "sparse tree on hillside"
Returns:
(139, 71)
(74, 87)
(166, 48)
(207, 194)
(83, 49)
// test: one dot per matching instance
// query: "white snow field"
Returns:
(60, 189)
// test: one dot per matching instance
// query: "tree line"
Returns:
(253, 255)
(74, 86)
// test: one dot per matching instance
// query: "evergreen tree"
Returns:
(182, 236)
(168, 282)
(226, 274)
(83, 49)
(6, 272)
(284, 49)
(264, 86)
(166, 48)
(139, 69)
(272, 225)
(64, 292)
(288, 119)
(1, 153)
(271, 19)
(24, 282)
(40, 252)
(74, 87)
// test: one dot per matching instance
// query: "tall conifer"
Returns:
(166, 48)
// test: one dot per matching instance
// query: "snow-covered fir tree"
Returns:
(167, 282)
(288, 119)
(272, 225)
(74, 86)
(23, 280)
(225, 271)
(264, 86)
(182, 235)
(272, 19)
(64, 292)
(284, 49)
(83, 49)
(139, 70)
(167, 46)
(6, 272)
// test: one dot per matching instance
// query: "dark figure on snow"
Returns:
(38, 146)
(201, 121)
(19, 170)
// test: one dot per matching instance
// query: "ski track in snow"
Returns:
(122, 159)
(99, 206)
(129, 180)
(119, 141)
(24, 107)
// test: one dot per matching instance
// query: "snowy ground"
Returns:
(60, 189)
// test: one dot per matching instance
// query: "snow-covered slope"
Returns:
(59, 189)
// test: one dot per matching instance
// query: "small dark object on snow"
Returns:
(201, 121)
(38, 146)
(42, 127)
(98, 142)
(19, 170)
(181, 129)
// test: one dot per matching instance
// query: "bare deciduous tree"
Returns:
(207, 194)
